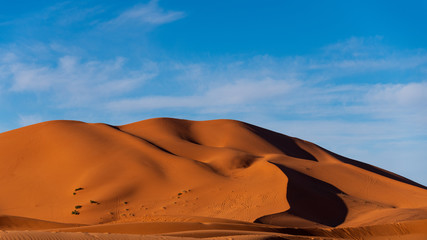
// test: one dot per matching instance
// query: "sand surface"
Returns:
(173, 179)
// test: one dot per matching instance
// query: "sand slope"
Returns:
(162, 173)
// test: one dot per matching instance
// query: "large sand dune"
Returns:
(170, 178)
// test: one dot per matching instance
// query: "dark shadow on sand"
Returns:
(310, 199)
(282, 142)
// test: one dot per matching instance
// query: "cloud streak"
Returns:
(25, 120)
(72, 82)
(235, 94)
(150, 14)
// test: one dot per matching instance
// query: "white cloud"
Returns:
(240, 92)
(357, 47)
(296, 89)
(401, 103)
(74, 82)
(25, 120)
(351, 66)
(405, 95)
(27, 77)
(150, 13)
(361, 55)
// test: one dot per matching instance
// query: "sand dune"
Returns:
(168, 178)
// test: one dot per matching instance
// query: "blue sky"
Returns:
(350, 76)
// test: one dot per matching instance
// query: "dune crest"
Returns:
(164, 170)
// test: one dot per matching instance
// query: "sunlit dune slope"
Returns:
(170, 167)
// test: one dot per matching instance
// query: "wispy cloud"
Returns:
(71, 81)
(357, 47)
(364, 55)
(406, 102)
(232, 95)
(312, 86)
(402, 95)
(149, 13)
(25, 120)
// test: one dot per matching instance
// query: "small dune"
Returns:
(170, 178)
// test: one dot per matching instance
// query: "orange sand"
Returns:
(170, 178)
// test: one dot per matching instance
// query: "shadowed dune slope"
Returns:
(68, 172)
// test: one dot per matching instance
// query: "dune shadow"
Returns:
(142, 139)
(282, 142)
(310, 199)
